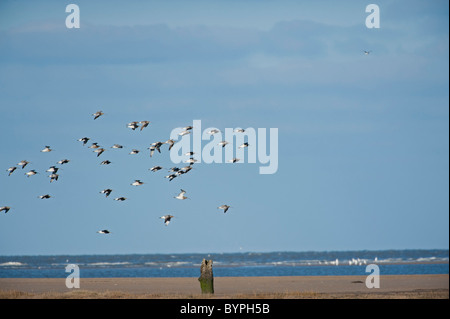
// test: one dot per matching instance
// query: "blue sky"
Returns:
(363, 139)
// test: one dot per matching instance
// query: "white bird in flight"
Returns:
(63, 161)
(152, 150)
(23, 163)
(133, 125)
(170, 142)
(191, 160)
(106, 191)
(167, 219)
(185, 132)
(97, 114)
(181, 195)
(170, 177)
(52, 169)
(99, 151)
(213, 131)
(53, 177)
(134, 151)
(11, 170)
(84, 140)
(224, 207)
(144, 124)
(223, 143)
(186, 169)
(31, 173)
(137, 183)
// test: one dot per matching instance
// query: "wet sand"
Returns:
(391, 286)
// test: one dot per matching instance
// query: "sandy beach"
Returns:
(297, 287)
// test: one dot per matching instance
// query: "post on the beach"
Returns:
(206, 277)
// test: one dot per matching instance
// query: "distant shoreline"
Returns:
(284, 287)
(381, 250)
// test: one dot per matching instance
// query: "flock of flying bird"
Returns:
(52, 170)
(156, 146)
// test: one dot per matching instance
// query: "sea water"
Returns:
(334, 263)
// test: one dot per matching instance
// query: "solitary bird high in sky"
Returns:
(5, 209)
(97, 114)
(224, 207)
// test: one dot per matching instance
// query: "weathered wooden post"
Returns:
(206, 277)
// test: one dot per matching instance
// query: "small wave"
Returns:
(425, 259)
(177, 263)
(62, 264)
(12, 264)
(106, 264)
(152, 263)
